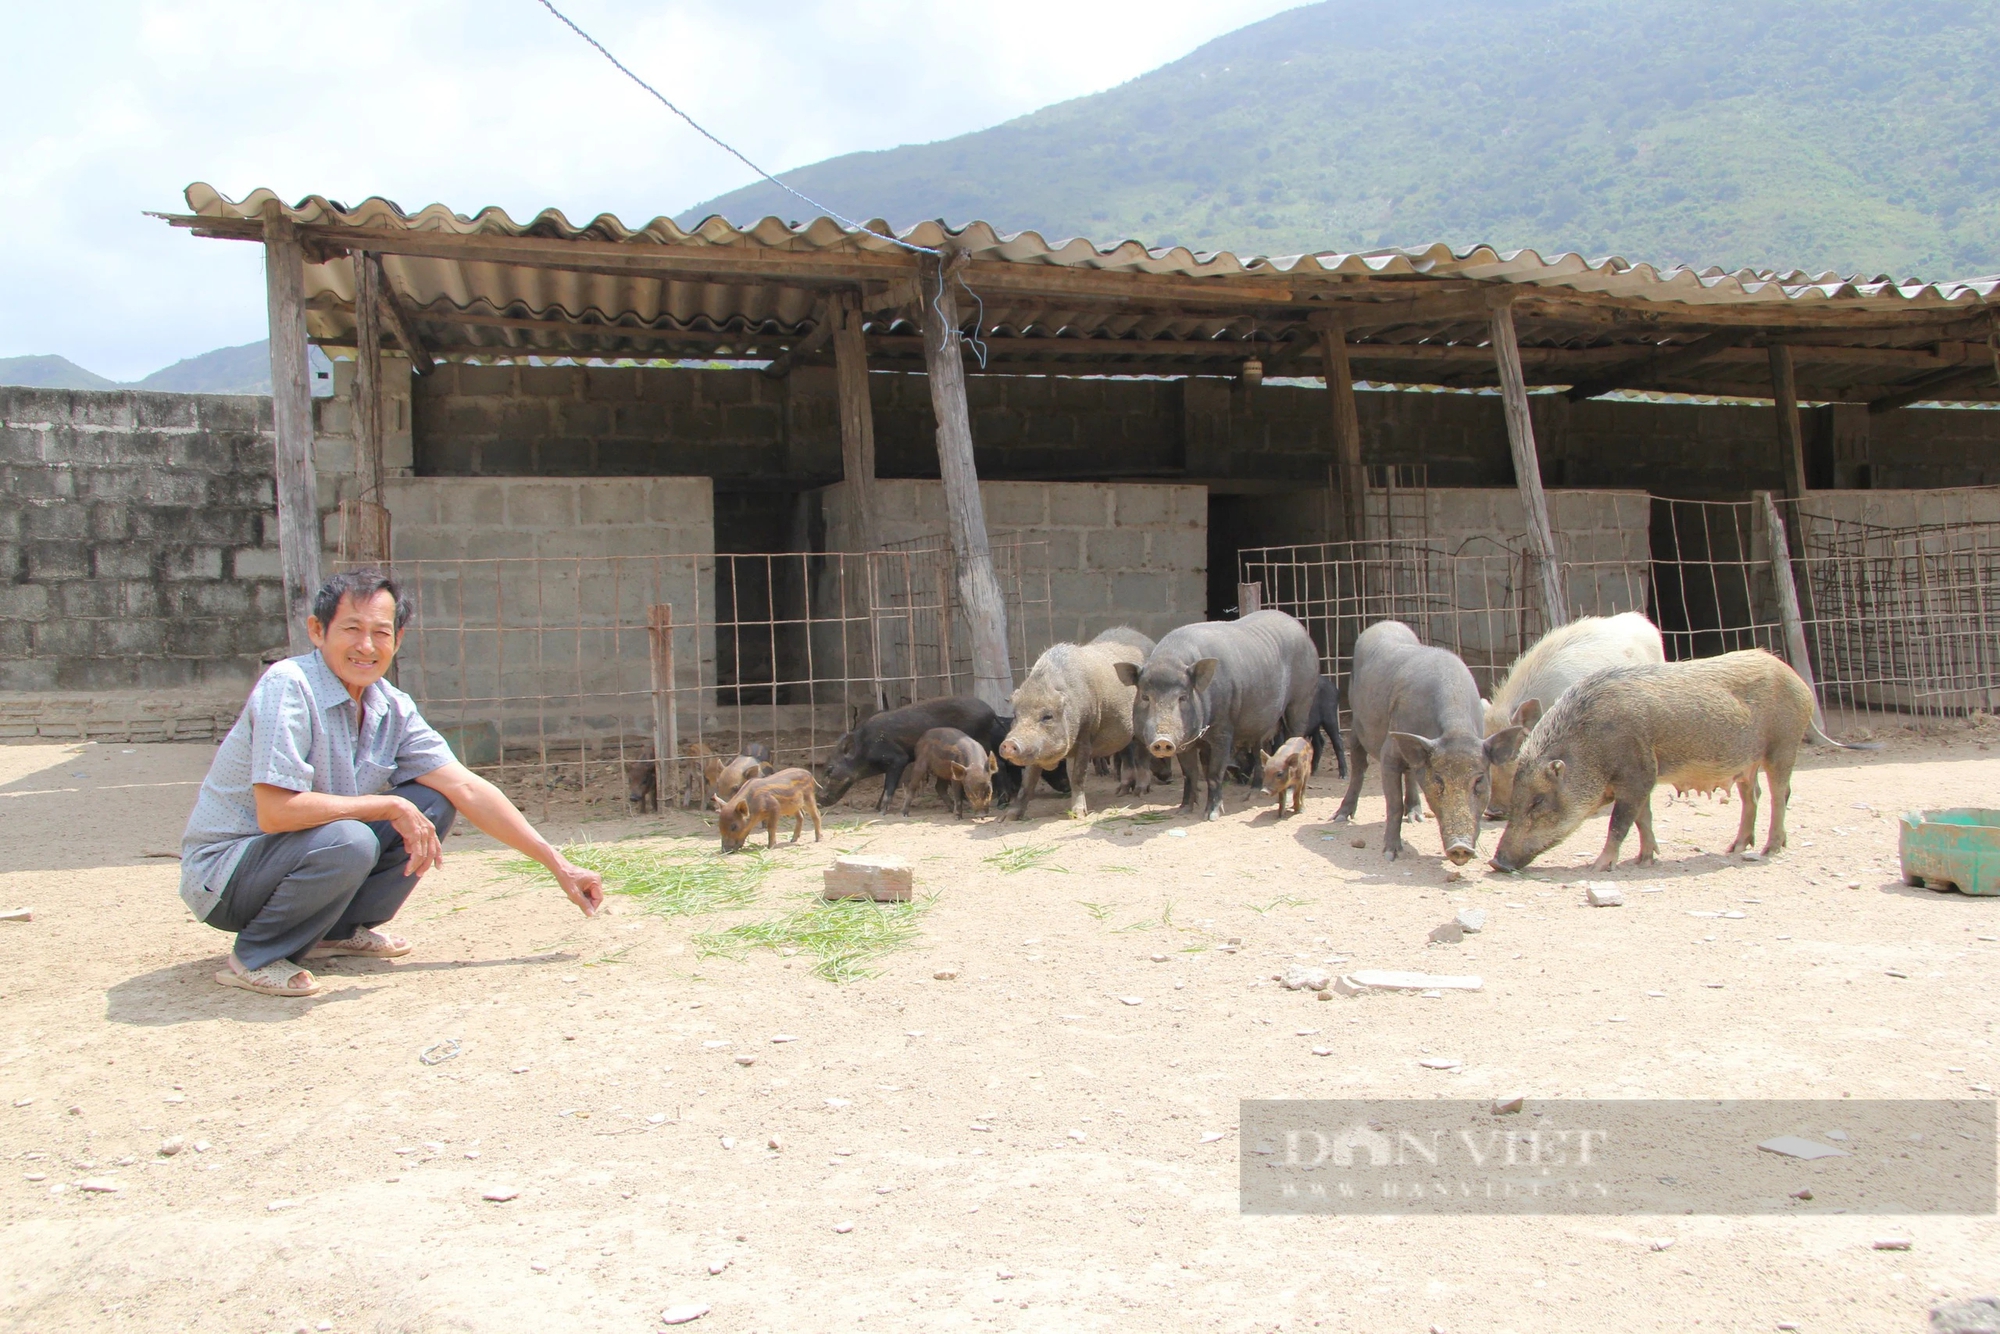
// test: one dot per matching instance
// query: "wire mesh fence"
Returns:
(589, 680)
(1884, 620)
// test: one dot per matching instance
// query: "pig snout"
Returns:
(1010, 751)
(1459, 853)
(1163, 748)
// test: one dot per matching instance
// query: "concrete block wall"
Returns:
(136, 540)
(1113, 553)
(334, 433)
(533, 597)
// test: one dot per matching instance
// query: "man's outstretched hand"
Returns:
(585, 888)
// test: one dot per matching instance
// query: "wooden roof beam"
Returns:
(1658, 365)
(397, 316)
(825, 317)
(1932, 386)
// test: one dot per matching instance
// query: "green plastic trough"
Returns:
(1955, 849)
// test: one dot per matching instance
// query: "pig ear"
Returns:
(1202, 673)
(1554, 769)
(1413, 750)
(957, 772)
(1263, 759)
(720, 804)
(1530, 710)
(992, 763)
(1128, 672)
(1505, 744)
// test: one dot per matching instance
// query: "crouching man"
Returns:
(330, 798)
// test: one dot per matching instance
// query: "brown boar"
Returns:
(961, 766)
(764, 802)
(1554, 663)
(1616, 734)
(1285, 773)
(642, 781)
(728, 779)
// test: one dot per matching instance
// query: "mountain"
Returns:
(50, 373)
(227, 370)
(1855, 135)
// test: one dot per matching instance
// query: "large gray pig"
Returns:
(1417, 710)
(1073, 707)
(1557, 661)
(1206, 688)
(1614, 735)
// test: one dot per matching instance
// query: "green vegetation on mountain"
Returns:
(1861, 136)
(245, 369)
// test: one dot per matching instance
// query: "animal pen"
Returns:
(555, 668)
(1893, 621)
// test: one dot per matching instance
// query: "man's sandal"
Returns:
(273, 979)
(367, 943)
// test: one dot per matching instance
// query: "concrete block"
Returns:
(86, 599)
(191, 563)
(550, 381)
(24, 602)
(1142, 592)
(50, 561)
(256, 563)
(1114, 549)
(458, 503)
(485, 381)
(55, 521)
(1079, 505)
(1137, 506)
(882, 877)
(1077, 593)
(608, 502)
(1177, 549)
(541, 504)
(1012, 504)
(62, 638)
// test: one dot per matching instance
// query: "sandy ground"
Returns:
(598, 1078)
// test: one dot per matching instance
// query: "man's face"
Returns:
(361, 642)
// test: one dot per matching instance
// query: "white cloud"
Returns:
(110, 109)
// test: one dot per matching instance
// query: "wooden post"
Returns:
(978, 587)
(666, 720)
(1791, 438)
(857, 414)
(1347, 467)
(291, 414)
(368, 375)
(1788, 601)
(1528, 467)
(1249, 597)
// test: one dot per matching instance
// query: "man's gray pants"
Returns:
(290, 891)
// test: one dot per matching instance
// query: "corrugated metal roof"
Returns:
(486, 284)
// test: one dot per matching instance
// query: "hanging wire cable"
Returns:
(662, 99)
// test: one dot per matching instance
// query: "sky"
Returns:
(110, 108)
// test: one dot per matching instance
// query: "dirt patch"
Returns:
(1014, 1148)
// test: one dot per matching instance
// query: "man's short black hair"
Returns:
(362, 586)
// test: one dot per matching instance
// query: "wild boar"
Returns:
(1554, 663)
(764, 802)
(886, 744)
(1072, 708)
(1285, 773)
(1207, 687)
(963, 770)
(1417, 711)
(642, 780)
(1617, 733)
(1324, 721)
(729, 778)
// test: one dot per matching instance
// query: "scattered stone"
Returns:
(783, 1037)
(728, 1143)
(1758, 856)
(23, 1102)
(1792, 1146)
(843, 1227)
(539, 1266)
(275, 1206)
(1505, 1106)
(1177, 833)
(944, 975)
(1077, 1135)
(746, 1060)
(1604, 895)
(1299, 977)
(1802, 1195)
(1211, 1136)
(717, 1266)
(774, 1143)
(75, 1110)
(1660, 1243)
(1471, 920)
(102, 1186)
(1451, 933)
(1158, 958)
(38, 1176)
(681, 1315)
(1892, 1243)
(1357, 842)
(1735, 916)
(18, 915)
(170, 1147)
(1440, 1063)
(1854, 884)
(500, 1194)
(1132, 1000)
(882, 877)
(202, 1146)
(1004, 1275)
(835, 1104)
(1234, 942)
(1970, 1315)
(1322, 1051)
(1839, 1136)
(1374, 980)
(1325, 993)
(1895, 973)
(1452, 875)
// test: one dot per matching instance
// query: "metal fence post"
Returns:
(666, 722)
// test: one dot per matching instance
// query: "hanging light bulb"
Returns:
(1253, 373)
